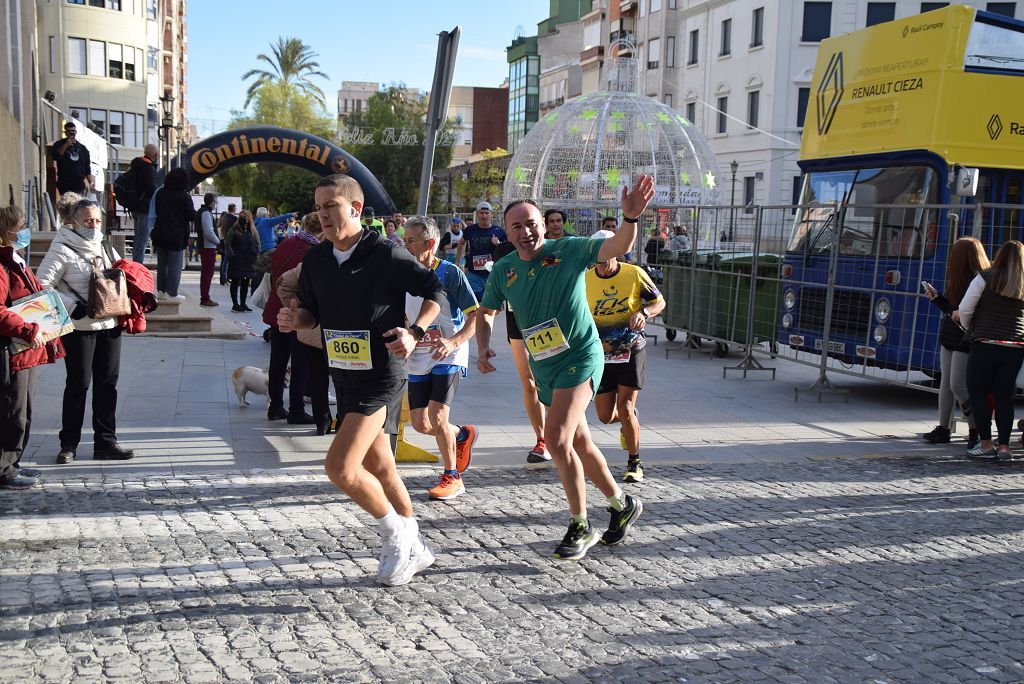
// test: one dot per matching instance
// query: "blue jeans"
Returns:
(168, 270)
(223, 266)
(141, 237)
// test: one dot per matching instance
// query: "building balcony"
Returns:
(627, 5)
(589, 55)
(627, 36)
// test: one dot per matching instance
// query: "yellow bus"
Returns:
(905, 119)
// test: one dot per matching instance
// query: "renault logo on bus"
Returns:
(995, 127)
(830, 93)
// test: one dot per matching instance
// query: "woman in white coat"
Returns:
(94, 348)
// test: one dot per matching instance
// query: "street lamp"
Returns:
(166, 124)
(734, 165)
(178, 140)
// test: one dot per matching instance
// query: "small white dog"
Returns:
(256, 380)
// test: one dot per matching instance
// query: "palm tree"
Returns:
(293, 65)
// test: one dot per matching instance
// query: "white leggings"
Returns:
(953, 386)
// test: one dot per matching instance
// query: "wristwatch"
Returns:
(646, 313)
(417, 332)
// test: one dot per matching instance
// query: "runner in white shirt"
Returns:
(440, 359)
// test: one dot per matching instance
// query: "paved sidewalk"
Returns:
(177, 409)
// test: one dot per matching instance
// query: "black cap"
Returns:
(368, 212)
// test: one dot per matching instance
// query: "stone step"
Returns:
(215, 334)
(168, 307)
(158, 322)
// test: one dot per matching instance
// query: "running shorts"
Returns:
(512, 326)
(440, 388)
(366, 398)
(629, 374)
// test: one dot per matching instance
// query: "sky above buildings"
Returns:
(384, 41)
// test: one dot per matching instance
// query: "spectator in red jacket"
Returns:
(17, 281)
(288, 255)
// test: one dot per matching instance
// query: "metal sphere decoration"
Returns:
(580, 155)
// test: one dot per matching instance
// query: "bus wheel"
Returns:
(670, 334)
(721, 349)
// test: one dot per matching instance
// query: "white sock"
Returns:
(391, 523)
(617, 500)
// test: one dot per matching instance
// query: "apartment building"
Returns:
(120, 66)
(353, 96)
(481, 115)
(739, 69)
(544, 70)
(19, 101)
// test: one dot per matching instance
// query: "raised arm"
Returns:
(634, 203)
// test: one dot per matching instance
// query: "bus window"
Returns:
(868, 225)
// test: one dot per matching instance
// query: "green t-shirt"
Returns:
(552, 286)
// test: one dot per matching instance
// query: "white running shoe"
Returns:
(422, 557)
(395, 551)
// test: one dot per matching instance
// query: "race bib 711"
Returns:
(545, 340)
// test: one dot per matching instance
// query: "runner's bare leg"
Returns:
(534, 409)
(625, 402)
(563, 417)
(380, 462)
(359, 438)
(594, 463)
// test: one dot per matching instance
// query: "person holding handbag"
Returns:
(18, 381)
(967, 259)
(94, 348)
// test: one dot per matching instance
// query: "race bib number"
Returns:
(545, 340)
(617, 357)
(430, 335)
(348, 349)
(480, 262)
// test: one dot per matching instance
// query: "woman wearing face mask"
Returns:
(17, 281)
(94, 348)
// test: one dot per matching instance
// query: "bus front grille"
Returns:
(851, 312)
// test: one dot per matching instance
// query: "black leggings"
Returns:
(240, 290)
(992, 369)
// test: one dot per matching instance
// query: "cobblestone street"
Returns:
(809, 570)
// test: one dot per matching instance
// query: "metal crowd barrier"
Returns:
(736, 285)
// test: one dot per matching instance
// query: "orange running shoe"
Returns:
(464, 447)
(539, 453)
(449, 487)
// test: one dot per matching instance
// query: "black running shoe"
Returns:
(576, 541)
(622, 520)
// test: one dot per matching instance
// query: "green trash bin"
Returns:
(685, 285)
(732, 296)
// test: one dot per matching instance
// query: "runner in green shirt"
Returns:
(544, 282)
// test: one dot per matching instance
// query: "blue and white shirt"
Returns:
(459, 302)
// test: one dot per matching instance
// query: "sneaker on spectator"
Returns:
(17, 481)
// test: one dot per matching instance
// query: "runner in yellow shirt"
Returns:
(621, 298)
